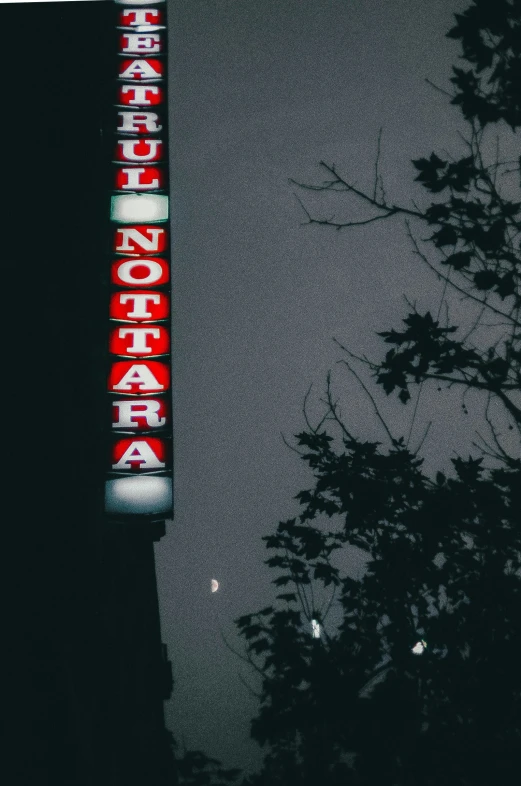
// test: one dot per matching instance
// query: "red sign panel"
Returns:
(141, 69)
(139, 340)
(138, 17)
(139, 306)
(140, 239)
(139, 178)
(140, 95)
(137, 454)
(139, 377)
(148, 43)
(137, 151)
(140, 272)
(139, 123)
(140, 414)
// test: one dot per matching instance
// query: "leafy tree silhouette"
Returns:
(195, 768)
(415, 675)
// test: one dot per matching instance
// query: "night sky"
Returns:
(260, 92)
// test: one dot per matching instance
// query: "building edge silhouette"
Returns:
(88, 671)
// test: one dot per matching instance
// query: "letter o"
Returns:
(139, 272)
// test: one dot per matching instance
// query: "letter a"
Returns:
(139, 376)
(141, 453)
(139, 69)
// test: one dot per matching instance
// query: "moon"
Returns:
(215, 585)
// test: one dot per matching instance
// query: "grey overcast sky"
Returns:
(261, 91)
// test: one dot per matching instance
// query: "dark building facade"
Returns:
(88, 672)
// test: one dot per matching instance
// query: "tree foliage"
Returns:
(415, 675)
(195, 768)
(487, 90)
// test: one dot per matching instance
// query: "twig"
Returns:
(373, 402)
(245, 658)
(291, 447)
(377, 176)
(440, 89)
(456, 286)
(429, 424)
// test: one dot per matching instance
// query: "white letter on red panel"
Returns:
(141, 69)
(139, 344)
(139, 305)
(139, 341)
(140, 272)
(140, 453)
(140, 43)
(140, 239)
(129, 377)
(139, 150)
(132, 413)
(139, 122)
(140, 16)
(139, 178)
(140, 95)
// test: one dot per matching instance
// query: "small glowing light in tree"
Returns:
(215, 585)
(315, 629)
(419, 647)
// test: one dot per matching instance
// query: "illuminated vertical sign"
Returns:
(139, 464)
